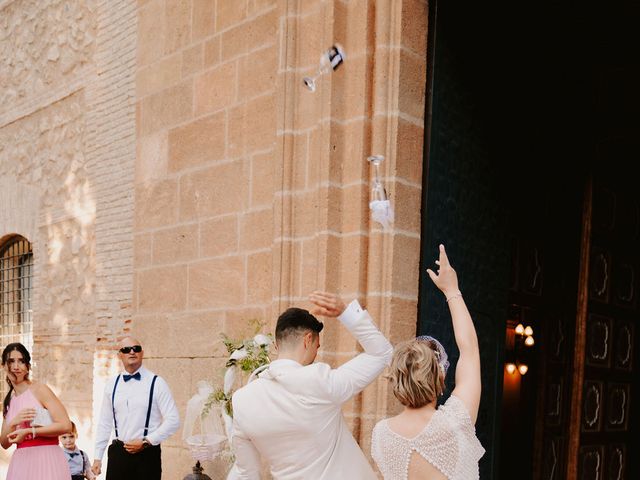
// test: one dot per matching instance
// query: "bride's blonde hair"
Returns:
(416, 376)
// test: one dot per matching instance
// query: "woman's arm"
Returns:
(61, 423)
(468, 383)
(8, 426)
(6, 429)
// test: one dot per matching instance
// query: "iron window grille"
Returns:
(16, 281)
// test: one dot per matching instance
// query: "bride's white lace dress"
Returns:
(448, 442)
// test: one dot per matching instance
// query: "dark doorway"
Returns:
(532, 132)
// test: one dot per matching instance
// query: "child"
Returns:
(78, 460)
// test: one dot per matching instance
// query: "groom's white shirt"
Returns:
(291, 415)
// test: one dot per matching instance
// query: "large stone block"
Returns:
(414, 26)
(178, 25)
(217, 283)
(204, 19)
(162, 289)
(410, 151)
(350, 147)
(156, 204)
(354, 210)
(215, 89)
(151, 157)
(260, 123)
(250, 35)
(166, 108)
(258, 72)
(350, 88)
(353, 270)
(198, 142)
(353, 22)
(408, 201)
(142, 250)
(159, 75)
(229, 14)
(184, 335)
(256, 230)
(174, 245)
(192, 60)
(219, 236)
(296, 162)
(262, 179)
(413, 78)
(406, 263)
(215, 191)
(259, 278)
(212, 51)
(151, 32)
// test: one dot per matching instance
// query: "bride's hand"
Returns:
(446, 278)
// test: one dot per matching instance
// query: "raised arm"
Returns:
(468, 384)
(353, 376)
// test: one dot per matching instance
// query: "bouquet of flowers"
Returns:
(248, 356)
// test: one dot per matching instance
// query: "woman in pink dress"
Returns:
(37, 456)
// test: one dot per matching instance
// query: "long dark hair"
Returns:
(5, 358)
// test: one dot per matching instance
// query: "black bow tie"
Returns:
(135, 376)
(73, 454)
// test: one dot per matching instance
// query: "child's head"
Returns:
(68, 440)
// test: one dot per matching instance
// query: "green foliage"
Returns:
(218, 397)
(253, 356)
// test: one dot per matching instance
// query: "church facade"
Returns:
(165, 173)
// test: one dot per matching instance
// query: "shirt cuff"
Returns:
(351, 314)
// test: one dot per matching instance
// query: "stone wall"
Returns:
(177, 180)
(252, 191)
(67, 150)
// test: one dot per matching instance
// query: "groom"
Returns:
(291, 415)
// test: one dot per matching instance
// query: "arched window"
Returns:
(16, 273)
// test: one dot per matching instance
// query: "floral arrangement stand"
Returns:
(247, 357)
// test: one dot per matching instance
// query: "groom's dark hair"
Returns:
(294, 322)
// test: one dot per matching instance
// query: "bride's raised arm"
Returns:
(468, 383)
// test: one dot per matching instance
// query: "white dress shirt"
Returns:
(131, 404)
(291, 415)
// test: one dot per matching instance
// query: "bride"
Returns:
(425, 442)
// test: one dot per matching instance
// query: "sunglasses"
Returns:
(134, 349)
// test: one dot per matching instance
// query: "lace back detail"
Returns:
(448, 442)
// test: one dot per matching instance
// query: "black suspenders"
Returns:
(113, 405)
(146, 424)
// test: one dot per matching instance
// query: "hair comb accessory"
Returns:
(441, 353)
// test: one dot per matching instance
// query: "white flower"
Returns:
(262, 339)
(239, 354)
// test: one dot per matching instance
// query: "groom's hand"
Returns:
(326, 304)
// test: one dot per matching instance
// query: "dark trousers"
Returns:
(144, 465)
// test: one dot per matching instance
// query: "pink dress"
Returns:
(37, 459)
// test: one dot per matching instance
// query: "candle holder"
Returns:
(329, 61)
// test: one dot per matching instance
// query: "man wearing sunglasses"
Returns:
(139, 408)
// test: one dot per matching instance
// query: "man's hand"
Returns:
(97, 467)
(326, 304)
(134, 446)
